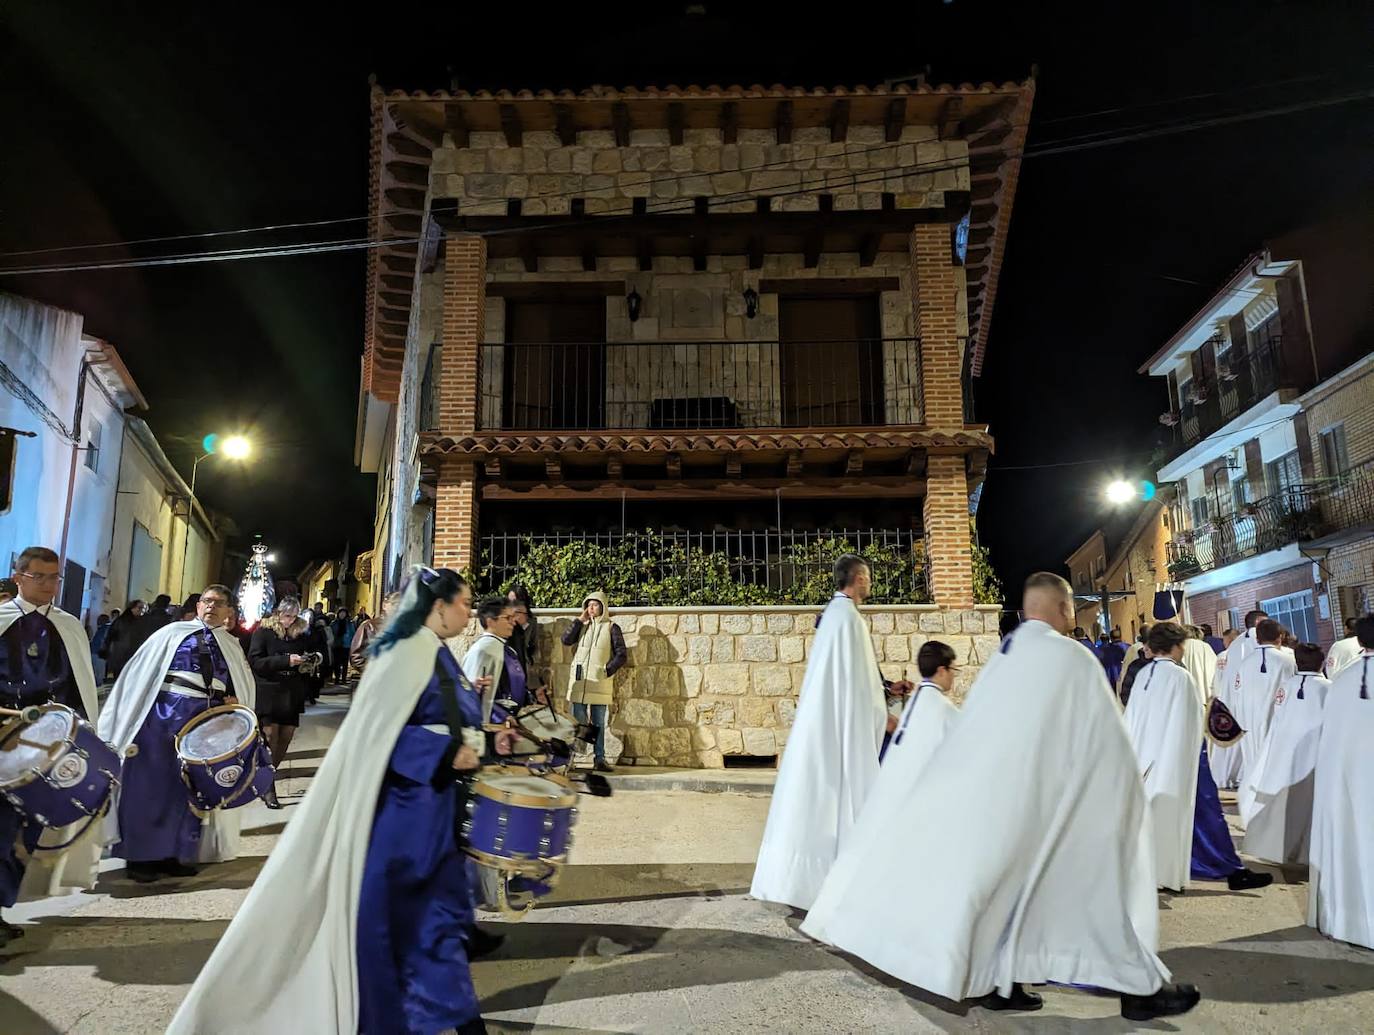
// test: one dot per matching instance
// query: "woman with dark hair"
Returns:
(278, 648)
(372, 858)
(122, 639)
(525, 638)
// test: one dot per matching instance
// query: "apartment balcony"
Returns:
(1244, 377)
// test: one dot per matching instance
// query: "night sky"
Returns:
(120, 128)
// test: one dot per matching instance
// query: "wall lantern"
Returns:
(633, 302)
(751, 303)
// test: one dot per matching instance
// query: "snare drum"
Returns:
(224, 762)
(55, 769)
(519, 821)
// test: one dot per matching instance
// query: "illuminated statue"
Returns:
(257, 593)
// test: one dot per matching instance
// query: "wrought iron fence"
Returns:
(1244, 376)
(647, 568)
(701, 384)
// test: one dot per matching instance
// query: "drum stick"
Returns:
(30, 714)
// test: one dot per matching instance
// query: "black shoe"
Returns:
(1169, 1001)
(602, 766)
(482, 943)
(472, 1027)
(9, 932)
(177, 868)
(1019, 999)
(144, 872)
(1247, 880)
(270, 799)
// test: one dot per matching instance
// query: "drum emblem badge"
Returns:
(69, 772)
(229, 775)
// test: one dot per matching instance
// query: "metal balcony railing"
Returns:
(862, 382)
(1244, 375)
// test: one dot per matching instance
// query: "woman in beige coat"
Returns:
(598, 653)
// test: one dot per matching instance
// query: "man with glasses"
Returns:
(182, 670)
(45, 658)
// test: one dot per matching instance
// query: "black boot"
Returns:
(143, 872)
(1169, 1001)
(1019, 999)
(1247, 880)
(177, 868)
(482, 943)
(270, 798)
(9, 932)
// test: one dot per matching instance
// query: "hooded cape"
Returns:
(1276, 799)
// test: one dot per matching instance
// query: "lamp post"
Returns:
(235, 447)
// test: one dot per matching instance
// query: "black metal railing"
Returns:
(1298, 513)
(649, 568)
(1244, 375)
(429, 391)
(701, 384)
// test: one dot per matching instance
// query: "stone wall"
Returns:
(702, 684)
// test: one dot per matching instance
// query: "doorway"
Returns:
(554, 375)
(831, 358)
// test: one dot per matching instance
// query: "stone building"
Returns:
(1273, 456)
(694, 310)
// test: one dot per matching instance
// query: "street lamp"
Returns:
(235, 447)
(1119, 492)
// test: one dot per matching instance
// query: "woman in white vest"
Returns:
(599, 652)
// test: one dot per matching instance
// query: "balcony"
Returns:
(1243, 377)
(1319, 514)
(699, 385)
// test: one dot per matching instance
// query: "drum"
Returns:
(55, 769)
(518, 821)
(510, 894)
(543, 724)
(224, 762)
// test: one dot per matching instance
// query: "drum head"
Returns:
(527, 784)
(218, 735)
(41, 738)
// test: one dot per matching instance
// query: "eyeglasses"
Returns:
(42, 580)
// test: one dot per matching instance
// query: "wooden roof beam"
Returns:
(620, 120)
(427, 136)
(404, 144)
(973, 124)
(567, 127)
(896, 119)
(528, 255)
(510, 125)
(410, 175)
(868, 250)
(701, 234)
(839, 121)
(784, 122)
(950, 113)
(677, 122)
(408, 198)
(456, 125)
(729, 122)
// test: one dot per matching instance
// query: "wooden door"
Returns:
(555, 365)
(831, 361)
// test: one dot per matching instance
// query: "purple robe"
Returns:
(34, 669)
(415, 909)
(1214, 853)
(155, 817)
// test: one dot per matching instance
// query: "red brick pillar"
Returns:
(935, 285)
(949, 554)
(465, 290)
(1254, 470)
(455, 516)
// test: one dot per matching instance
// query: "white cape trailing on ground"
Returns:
(1254, 690)
(1340, 891)
(830, 763)
(1276, 799)
(1038, 863)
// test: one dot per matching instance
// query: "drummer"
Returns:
(182, 670)
(44, 657)
(493, 657)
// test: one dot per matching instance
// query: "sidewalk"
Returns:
(709, 781)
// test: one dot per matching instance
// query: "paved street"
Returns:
(651, 931)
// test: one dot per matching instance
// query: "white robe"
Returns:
(1037, 862)
(884, 830)
(74, 867)
(1342, 653)
(830, 764)
(1256, 685)
(1225, 761)
(486, 657)
(1164, 719)
(1276, 799)
(132, 697)
(1200, 662)
(288, 961)
(1340, 891)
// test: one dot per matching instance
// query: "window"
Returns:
(1283, 473)
(1202, 513)
(1240, 492)
(1185, 398)
(1335, 459)
(1295, 613)
(8, 442)
(93, 447)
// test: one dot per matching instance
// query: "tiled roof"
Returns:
(598, 442)
(670, 92)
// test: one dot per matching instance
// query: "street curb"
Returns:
(687, 782)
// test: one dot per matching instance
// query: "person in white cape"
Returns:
(1253, 690)
(1343, 651)
(1226, 760)
(1340, 890)
(369, 873)
(883, 830)
(1164, 720)
(831, 761)
(1200, 662)
(1033, 786)
(1276, 799)
(45, 658)
(180, 671)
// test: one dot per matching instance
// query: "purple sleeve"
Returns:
(618, 653)
(574, 631)
(422, 756)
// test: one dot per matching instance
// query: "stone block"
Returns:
(703, 737)
(970, 622)
(757, 742)
(779, 624)
(706, 159)
(560, 161)
(906, 621)
(712, 759)
(699, 649)
(671, 742)
(985, 647)
(653, 159)
(488, 185)
(883, 622)
(953, 623)
(730, 742)
(756, 711)
(931, 621)
(681, 761)
(772, 680)
(897, 647)
(710, 624)
(917, 642)
(677, 647)
(667, 624)
(656, 649)
(992, 622)
(736, 624)
(642, 713)
(787, 712)
(724, 714)
(758, 648)
(691, 679)
(751, 156)
(963, 647)
(581, 160)
(804, 623)
(606, 161)
(722, 647)
(791, 648)
(689, 623)
(627, 623)
(468, 161)
(757, 624)
(732, 678)
(508, 160)
(729, 157)
(637, 743)
(680, 158)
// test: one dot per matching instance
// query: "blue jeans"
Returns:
(600, 715)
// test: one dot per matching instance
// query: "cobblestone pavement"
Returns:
(650, 931)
